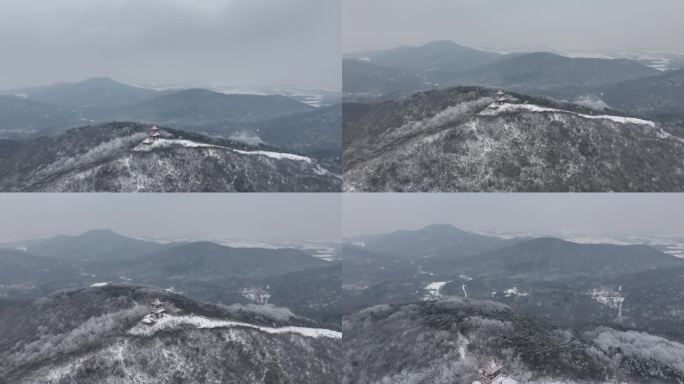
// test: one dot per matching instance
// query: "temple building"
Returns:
(157, 313)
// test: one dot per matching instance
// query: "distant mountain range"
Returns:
(544, 269)
(621, 83)
(39, 111)
(206, 271)
(442, 55)
(100, 92)
(446, 64)
(97, 335)
(463, 139)
(120, 157)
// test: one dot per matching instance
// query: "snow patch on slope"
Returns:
(173, 322)
(497, 109)
(434, 290)
(276, 155)
(167, 143)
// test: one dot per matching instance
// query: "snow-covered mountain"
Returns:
(464, 139)
(447, 341)
(121, 157)
(114, 334)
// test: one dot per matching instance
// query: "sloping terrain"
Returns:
(113, 157)
(460, 139)
(442, 342)
(97, 335)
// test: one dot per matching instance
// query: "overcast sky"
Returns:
(200, 216)
(634, 25)
(292, 43)
(605, 213)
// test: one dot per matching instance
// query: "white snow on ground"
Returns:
(433, 290)
(607, 296)
(166, 143)
(171, 322)
(275, 155)
(99, 285)
(436, 285)
(514, 292)
(508, 107)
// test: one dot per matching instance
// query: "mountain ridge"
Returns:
(116, 157)
(459, 139)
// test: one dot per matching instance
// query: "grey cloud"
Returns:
(637, 25)
(228, 42)
(654, 214)
(203, 216)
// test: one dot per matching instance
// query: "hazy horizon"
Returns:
(610, 25)
(236, 43)
(281, 216)
(597, 214)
